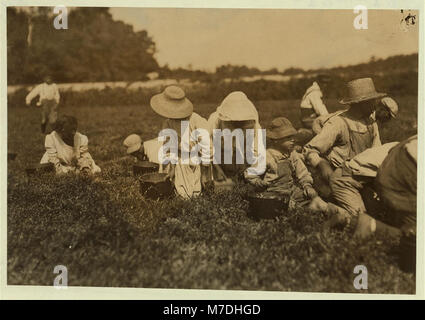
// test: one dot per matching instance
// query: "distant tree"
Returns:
(235, 71)
(17, 33)
(93, 48)
(292, 71)
(271, 71)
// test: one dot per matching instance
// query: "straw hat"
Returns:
(361, 90)
(133, 143)
(281, 128)
(172, 103)
(237, 107)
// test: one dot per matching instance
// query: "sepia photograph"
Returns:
(242, 149)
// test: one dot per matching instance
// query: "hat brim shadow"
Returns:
(224, 116)
(281, 134)
(134, 148)
(361, 99)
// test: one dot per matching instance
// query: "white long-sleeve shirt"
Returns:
(44, 91)
(312, 99)
(333, 141)
(197, 132)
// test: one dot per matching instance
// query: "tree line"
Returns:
(93, 48)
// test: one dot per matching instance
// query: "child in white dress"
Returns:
(67, 149)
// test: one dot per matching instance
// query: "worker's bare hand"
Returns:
(309, 192)
(325, 169)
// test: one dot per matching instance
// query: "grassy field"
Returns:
(108, 235)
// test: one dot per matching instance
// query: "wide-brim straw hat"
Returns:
(281, 128)
(172, 103)
(361, 90)
(237, 107)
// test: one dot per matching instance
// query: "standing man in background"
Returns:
(48, 100)
(312, 105)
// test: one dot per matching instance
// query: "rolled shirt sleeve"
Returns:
(322, 143)
(317, 125)
(301, 172)
(32, 94)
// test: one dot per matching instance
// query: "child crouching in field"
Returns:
(67, 149)
(286, 173)
(175, 108)
(142, 150)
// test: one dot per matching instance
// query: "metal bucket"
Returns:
(156, 185)
(267, 205)
(143, 167)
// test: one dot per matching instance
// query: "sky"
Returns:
(269, 38)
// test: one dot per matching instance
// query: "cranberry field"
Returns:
(107, 234)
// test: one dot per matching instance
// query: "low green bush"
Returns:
(107, 234)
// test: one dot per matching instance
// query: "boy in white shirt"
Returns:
(48, 100)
